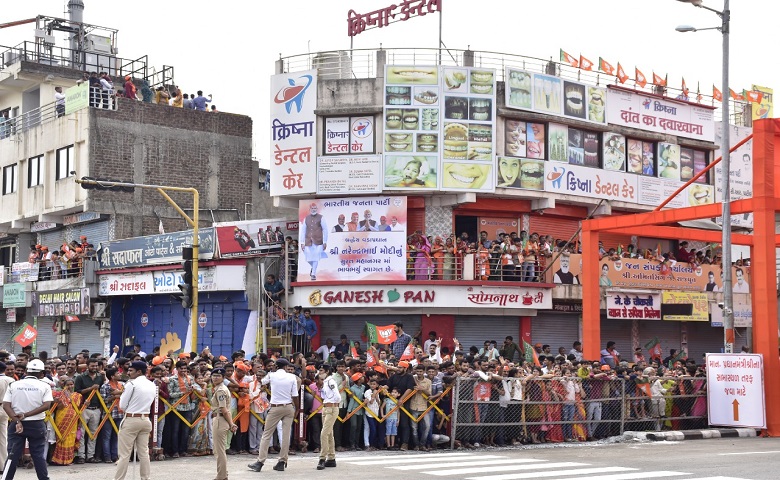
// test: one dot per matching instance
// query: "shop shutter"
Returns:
(474, 330)
(95, 232)
(560, 228)
(555, 330)
(618, 331)
(704, 338)
(7, 330)
(333, 326)
(667, 332)
(218, 334)
(52, 239)
(416, 220)
(47, 338)
(85, 334)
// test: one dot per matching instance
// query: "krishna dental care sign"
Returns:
(446, 296)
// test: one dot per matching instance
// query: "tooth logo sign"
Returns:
(293, 95)
(556, 176)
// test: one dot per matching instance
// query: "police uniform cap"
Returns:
(218, 371)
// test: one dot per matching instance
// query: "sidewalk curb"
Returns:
(679, 435)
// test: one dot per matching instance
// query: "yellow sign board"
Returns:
(699, 301)
(763, 109)
(76, 98)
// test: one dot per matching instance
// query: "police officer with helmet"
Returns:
(25, 402)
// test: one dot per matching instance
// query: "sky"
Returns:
(229, 48)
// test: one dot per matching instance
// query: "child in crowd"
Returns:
(390, 417)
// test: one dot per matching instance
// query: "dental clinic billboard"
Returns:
(352, 239)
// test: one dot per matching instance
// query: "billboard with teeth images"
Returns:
(537, 92)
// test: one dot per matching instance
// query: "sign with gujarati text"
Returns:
(359, 238)
(154, 249)
(58, 303)
(76, 98)
(358, 23)
(404, 296)
(293, 135)
(356, 175)
(661, 115)
(252, 238)
(210, 279)
(735, 390)
(14, 295)
(740, 172)
(742, 308)
(25, 271)
(697, 300)
(621, 305)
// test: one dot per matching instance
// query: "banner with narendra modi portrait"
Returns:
(348, 239)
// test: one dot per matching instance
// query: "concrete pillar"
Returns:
(468, 58)
(591, 315)
(763, 271)
(279, 66)
(381, 61)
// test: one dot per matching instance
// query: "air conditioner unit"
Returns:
(105, 328)
(99, 310)
(62, 339)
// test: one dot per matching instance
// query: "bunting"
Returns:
(565, 57)
(716, 94)
(640, 78)
(585, 64)
(621, 74)
(606, 67)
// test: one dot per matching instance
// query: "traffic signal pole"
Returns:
(88, 183)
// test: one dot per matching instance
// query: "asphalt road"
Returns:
(717, 459)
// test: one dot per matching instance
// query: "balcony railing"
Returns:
(78, 60)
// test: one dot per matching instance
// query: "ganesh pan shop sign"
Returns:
(57, 303)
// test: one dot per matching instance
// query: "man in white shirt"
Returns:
(576, 350)
(25, 403)
(325, 350)
(331, 397)
(5, 381)
(284, 407)
(59, 101)
(136, 401)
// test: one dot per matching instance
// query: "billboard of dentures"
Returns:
(468, 128)
(538, 92)
(411, 127)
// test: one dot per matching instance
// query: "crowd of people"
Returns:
(385, 393)
(64, 261)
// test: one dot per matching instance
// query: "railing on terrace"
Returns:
(44, 271)
(363, 63)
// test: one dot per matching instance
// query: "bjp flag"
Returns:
(585, 64)
(639, 78)
(621, 74)
(27, 335)
(606, 67)
(565, 57)
(716, 94)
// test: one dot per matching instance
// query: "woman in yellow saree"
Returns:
(66, 418)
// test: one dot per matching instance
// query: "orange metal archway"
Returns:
(764, 204)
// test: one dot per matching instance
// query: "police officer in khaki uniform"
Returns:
(222, 422)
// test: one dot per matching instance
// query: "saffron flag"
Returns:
(698, 93)
(684, 87)
(352, 350)
(735, 95)
(585, 64)
(653, 348)
(565, 57)
(530, 354)
(27, 335)
(370, 358)
(657, 80)
(639, 78)
(380, 334)
(621, 74)
(753, 95)
(716, 94)
(605, 66)
(71, 318)
(408, 352)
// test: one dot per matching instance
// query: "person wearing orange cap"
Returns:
(130, 90)
(356, 421)
(314, 231)
(240, 441)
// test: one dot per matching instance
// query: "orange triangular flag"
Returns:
(716, 94)
(408, 353)
(657, 80)
(565, 57)
(684, 87)
(585, 64)
(640, 78)
(735, 95)
(754, 96)
(621, 74)
(605, 66)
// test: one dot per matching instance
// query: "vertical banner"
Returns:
(740, 172)
(352, 239)
(293, 135)
(411, 120)
(468, 128)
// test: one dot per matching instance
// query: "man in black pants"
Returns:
(403, 381)
(25, 402)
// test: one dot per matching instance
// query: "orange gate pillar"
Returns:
(591, 292)
(763, 272)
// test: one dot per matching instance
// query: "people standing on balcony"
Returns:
(437, 252)
(422, 261)
(59, 101)
(314, 230)
(200, 101)
(449, 259)
(187, 102)
(529, 260)
(95, 89)
(161, 96)
(107, 89)
(483, 262)
(177, 100)
(131, 91)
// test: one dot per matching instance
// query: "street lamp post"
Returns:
(725, 164)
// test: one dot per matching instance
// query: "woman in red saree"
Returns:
(66, 418)
(553, 393)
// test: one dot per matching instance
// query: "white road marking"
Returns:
(718, 478)
(501, 468)
(470, 463)
(630, 476)
(572, 471)
(748, 453)
(413, 459)
(407, 455)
